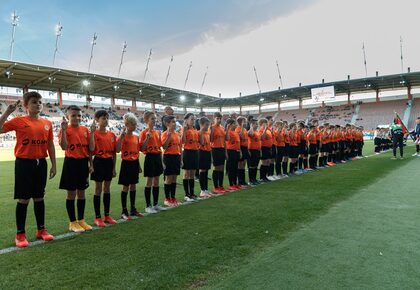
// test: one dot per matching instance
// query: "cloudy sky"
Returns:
(310, 39)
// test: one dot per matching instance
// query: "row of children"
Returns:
(281, 148)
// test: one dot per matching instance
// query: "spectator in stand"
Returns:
(168, 112)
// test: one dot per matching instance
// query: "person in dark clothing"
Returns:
(397, 136)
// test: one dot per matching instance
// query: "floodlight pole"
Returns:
(124, 49)
(169, 69)
(94, 38)
(15, 21)
(188, 75)
(278, 70)
(58, 29)
(364, 58)
(147, 65)
(402, 58)
(204, 79)
(258, 81)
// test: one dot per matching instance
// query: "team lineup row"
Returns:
(276, 148)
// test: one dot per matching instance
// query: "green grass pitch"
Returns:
(354, 226)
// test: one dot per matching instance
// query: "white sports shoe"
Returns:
(150, 209)
(203, 194)
(159, 208)
(188, 199)
(415, 154)
(271, 178)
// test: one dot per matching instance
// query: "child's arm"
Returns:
(10, 109)
(63, 136)
(51, 153)
(92, 136)
(146, 142)
(168, 139)
(119, 144)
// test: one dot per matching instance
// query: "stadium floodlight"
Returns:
(86, 83)
(116, 87)
(94, 38)
(198, 100)
(162, 95)
(261, 99)
(182, 98)
(15, 21)
(58, 32)
(124, 50)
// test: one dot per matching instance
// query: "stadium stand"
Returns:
(379, 113)
(338, 115)
(415, 112)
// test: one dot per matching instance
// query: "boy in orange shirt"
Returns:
(190, 140)
(233, 147)
(243, 135)
(77, 166)
(103, 168)
(150, 144)
(266, 144)
(34, 142)
(254, 146)
(172, 147)
(204, 157)
(218, 138)
(128, 145)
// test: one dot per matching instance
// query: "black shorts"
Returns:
(313, 149)
(280, 153)
(273, 151)
(324, 148)
(266, 153)
(219, 156)
(204, 160)
(129, 172)
(30, 178)
(75, 174)
(245, 153)
(153, 165)
(190, 159)
(172, 164)
(286, 150)
(102, 169)
(302, 148)
(254, 158)
(294, 152)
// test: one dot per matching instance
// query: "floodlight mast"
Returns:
(15, 21)
(258, 81)
(124, 50)
(58, 33)
(278, 70)
(188, 75)
(204, 79)
(94, 38)
(169, 69)
(364, 59)
(401, 51)
(147, 64)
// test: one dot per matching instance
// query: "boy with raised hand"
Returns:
(34, 142)
(76, 142)
(172, 147)
(150, 145)
(128, 145)
(103, 167)
(254, 147)
(204, 157)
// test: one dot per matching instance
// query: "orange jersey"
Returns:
(191, 139)
(218, 137)
(32, 136)
(105, 143)
(174, 145)
(77, 142)
(206, 138)
(281, 138)
(254, 141)
(154, 144)
(324, 137)
(312, 138)
(293, 138)
(244, 139)
(234, 142)
(130, 148)
(268, 140)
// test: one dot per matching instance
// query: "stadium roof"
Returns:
(15, 74)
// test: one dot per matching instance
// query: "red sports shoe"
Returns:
(21, 241)
(136, 213)
(44, 235)
(233, 187)
(99, 223)
(224, 190)
(109, 220)
(218, 190)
